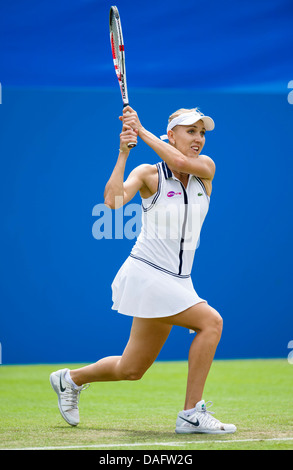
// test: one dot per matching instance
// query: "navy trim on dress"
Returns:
(167, 171)
(182, 276)
(157, 194)
(183, 228)
(202, 184)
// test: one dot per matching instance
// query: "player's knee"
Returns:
(131, 373)
(212, 325)
(216, 325)
(135, 375)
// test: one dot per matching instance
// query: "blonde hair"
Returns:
(183, 110)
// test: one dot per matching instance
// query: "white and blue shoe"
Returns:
(68, 396)
(201, 421)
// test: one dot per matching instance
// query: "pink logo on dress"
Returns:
(172, 193)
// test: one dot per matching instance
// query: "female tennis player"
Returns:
(154, 284)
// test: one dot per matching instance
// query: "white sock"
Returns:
(68, 379)
(189, 412)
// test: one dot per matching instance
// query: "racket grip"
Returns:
(130, 145)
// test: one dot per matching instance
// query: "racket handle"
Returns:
(130, 145)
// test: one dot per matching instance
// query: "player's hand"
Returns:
(131, 119)
(128, 135)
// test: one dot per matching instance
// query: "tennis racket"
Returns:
(117, 46)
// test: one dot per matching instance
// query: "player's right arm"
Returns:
(117, 192)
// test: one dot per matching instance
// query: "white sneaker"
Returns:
(201, 421)
(68, 396)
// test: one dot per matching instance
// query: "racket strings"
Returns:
(115, 46)
(118, 52)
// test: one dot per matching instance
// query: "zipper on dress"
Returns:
(183, 228)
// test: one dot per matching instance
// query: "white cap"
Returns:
(186, 119)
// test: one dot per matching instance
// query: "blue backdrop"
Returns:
(59, 139)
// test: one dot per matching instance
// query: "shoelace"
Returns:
(206, 416)
(206, 407)
(71, 395)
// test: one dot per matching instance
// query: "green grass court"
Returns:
(256, 395)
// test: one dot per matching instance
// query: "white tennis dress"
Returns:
(155, 279)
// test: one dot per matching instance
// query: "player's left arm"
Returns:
(202, 166)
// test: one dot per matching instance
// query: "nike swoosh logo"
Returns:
(194, 423)
(61, 388)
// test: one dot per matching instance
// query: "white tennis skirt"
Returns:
(139, 290)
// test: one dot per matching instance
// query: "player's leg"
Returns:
(196, 418)
(147, 337)
(146, 340)
(207, 322)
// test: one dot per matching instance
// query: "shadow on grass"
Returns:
(106, 435)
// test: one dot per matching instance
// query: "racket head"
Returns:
(117, 47)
